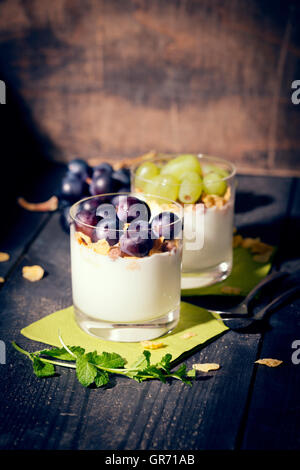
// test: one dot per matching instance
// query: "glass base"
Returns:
(127, 332)
(206, 278)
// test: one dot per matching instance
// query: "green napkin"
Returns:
(192, 319)
(246, 273)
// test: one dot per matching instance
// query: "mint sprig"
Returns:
(93, 368)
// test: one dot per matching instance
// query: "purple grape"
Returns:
(91, 204)
(108, 229)
(103, 168)
(136, 241)
(124, 189)
(106, 211)
(122, 176)
(130, 208)
(167, 225)
(102, 184)
(79, 168)
(86, 217)
(72, 188)
(139, 229)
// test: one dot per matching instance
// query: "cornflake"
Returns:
(150, 345)
(4, 257)
(263, 258)
(237, 241)
(33, 273)
(188, 334)
(250, 242)
(82, 238)
(206, 367)
(114, 252)
(231, 290)
(269, 362)
(101, 247)
(2, 279)
(46, 206)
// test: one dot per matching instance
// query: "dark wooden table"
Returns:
(240, 406)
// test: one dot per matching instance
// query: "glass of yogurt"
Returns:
(205, 188)
(126, 253)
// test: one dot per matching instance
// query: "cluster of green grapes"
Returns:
(182, 178)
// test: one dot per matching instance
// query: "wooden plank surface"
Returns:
(274, 413)
(58, 413)
(119, 78)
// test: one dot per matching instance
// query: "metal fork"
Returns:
(239, 321)
(242, 309)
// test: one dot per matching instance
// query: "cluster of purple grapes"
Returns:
(81, 181)
(125, 220)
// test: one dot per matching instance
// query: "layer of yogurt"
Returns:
(124, 289)
(211, 240)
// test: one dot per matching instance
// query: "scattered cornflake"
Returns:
(269, 362)
(250, 242)
(2, 279)
(188, 334)
(261, 248)
(211, 200)
(237, 240)
(101, 247)
(46, 206)
(169, 245)
(114, 252)
(208, 200)
(82, 238)
(231, 290)
(150, 345)
(157, 246)
(206, 367)
(4, 257)
(263, 258)
(33, 273)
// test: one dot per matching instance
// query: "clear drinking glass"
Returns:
(208, 222)
(129, 295)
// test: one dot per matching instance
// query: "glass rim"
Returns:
(200, 156)
(129, 193)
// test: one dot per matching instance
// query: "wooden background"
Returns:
(114, 78)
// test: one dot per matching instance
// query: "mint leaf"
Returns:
(102, 378)
(165, 363)
(85, 371)
(62, 353)
(181, 374)
(155, 372)
(107, 360)
(42, 369)
(96, 368)
(191, 373)
(142, 362)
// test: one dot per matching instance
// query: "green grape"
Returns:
(214, 184)
(164, 186)
(191, 188)
(145, 172)
(182, 164)
(208, 168)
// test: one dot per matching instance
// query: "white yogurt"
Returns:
(211, 243)
(124, 290)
